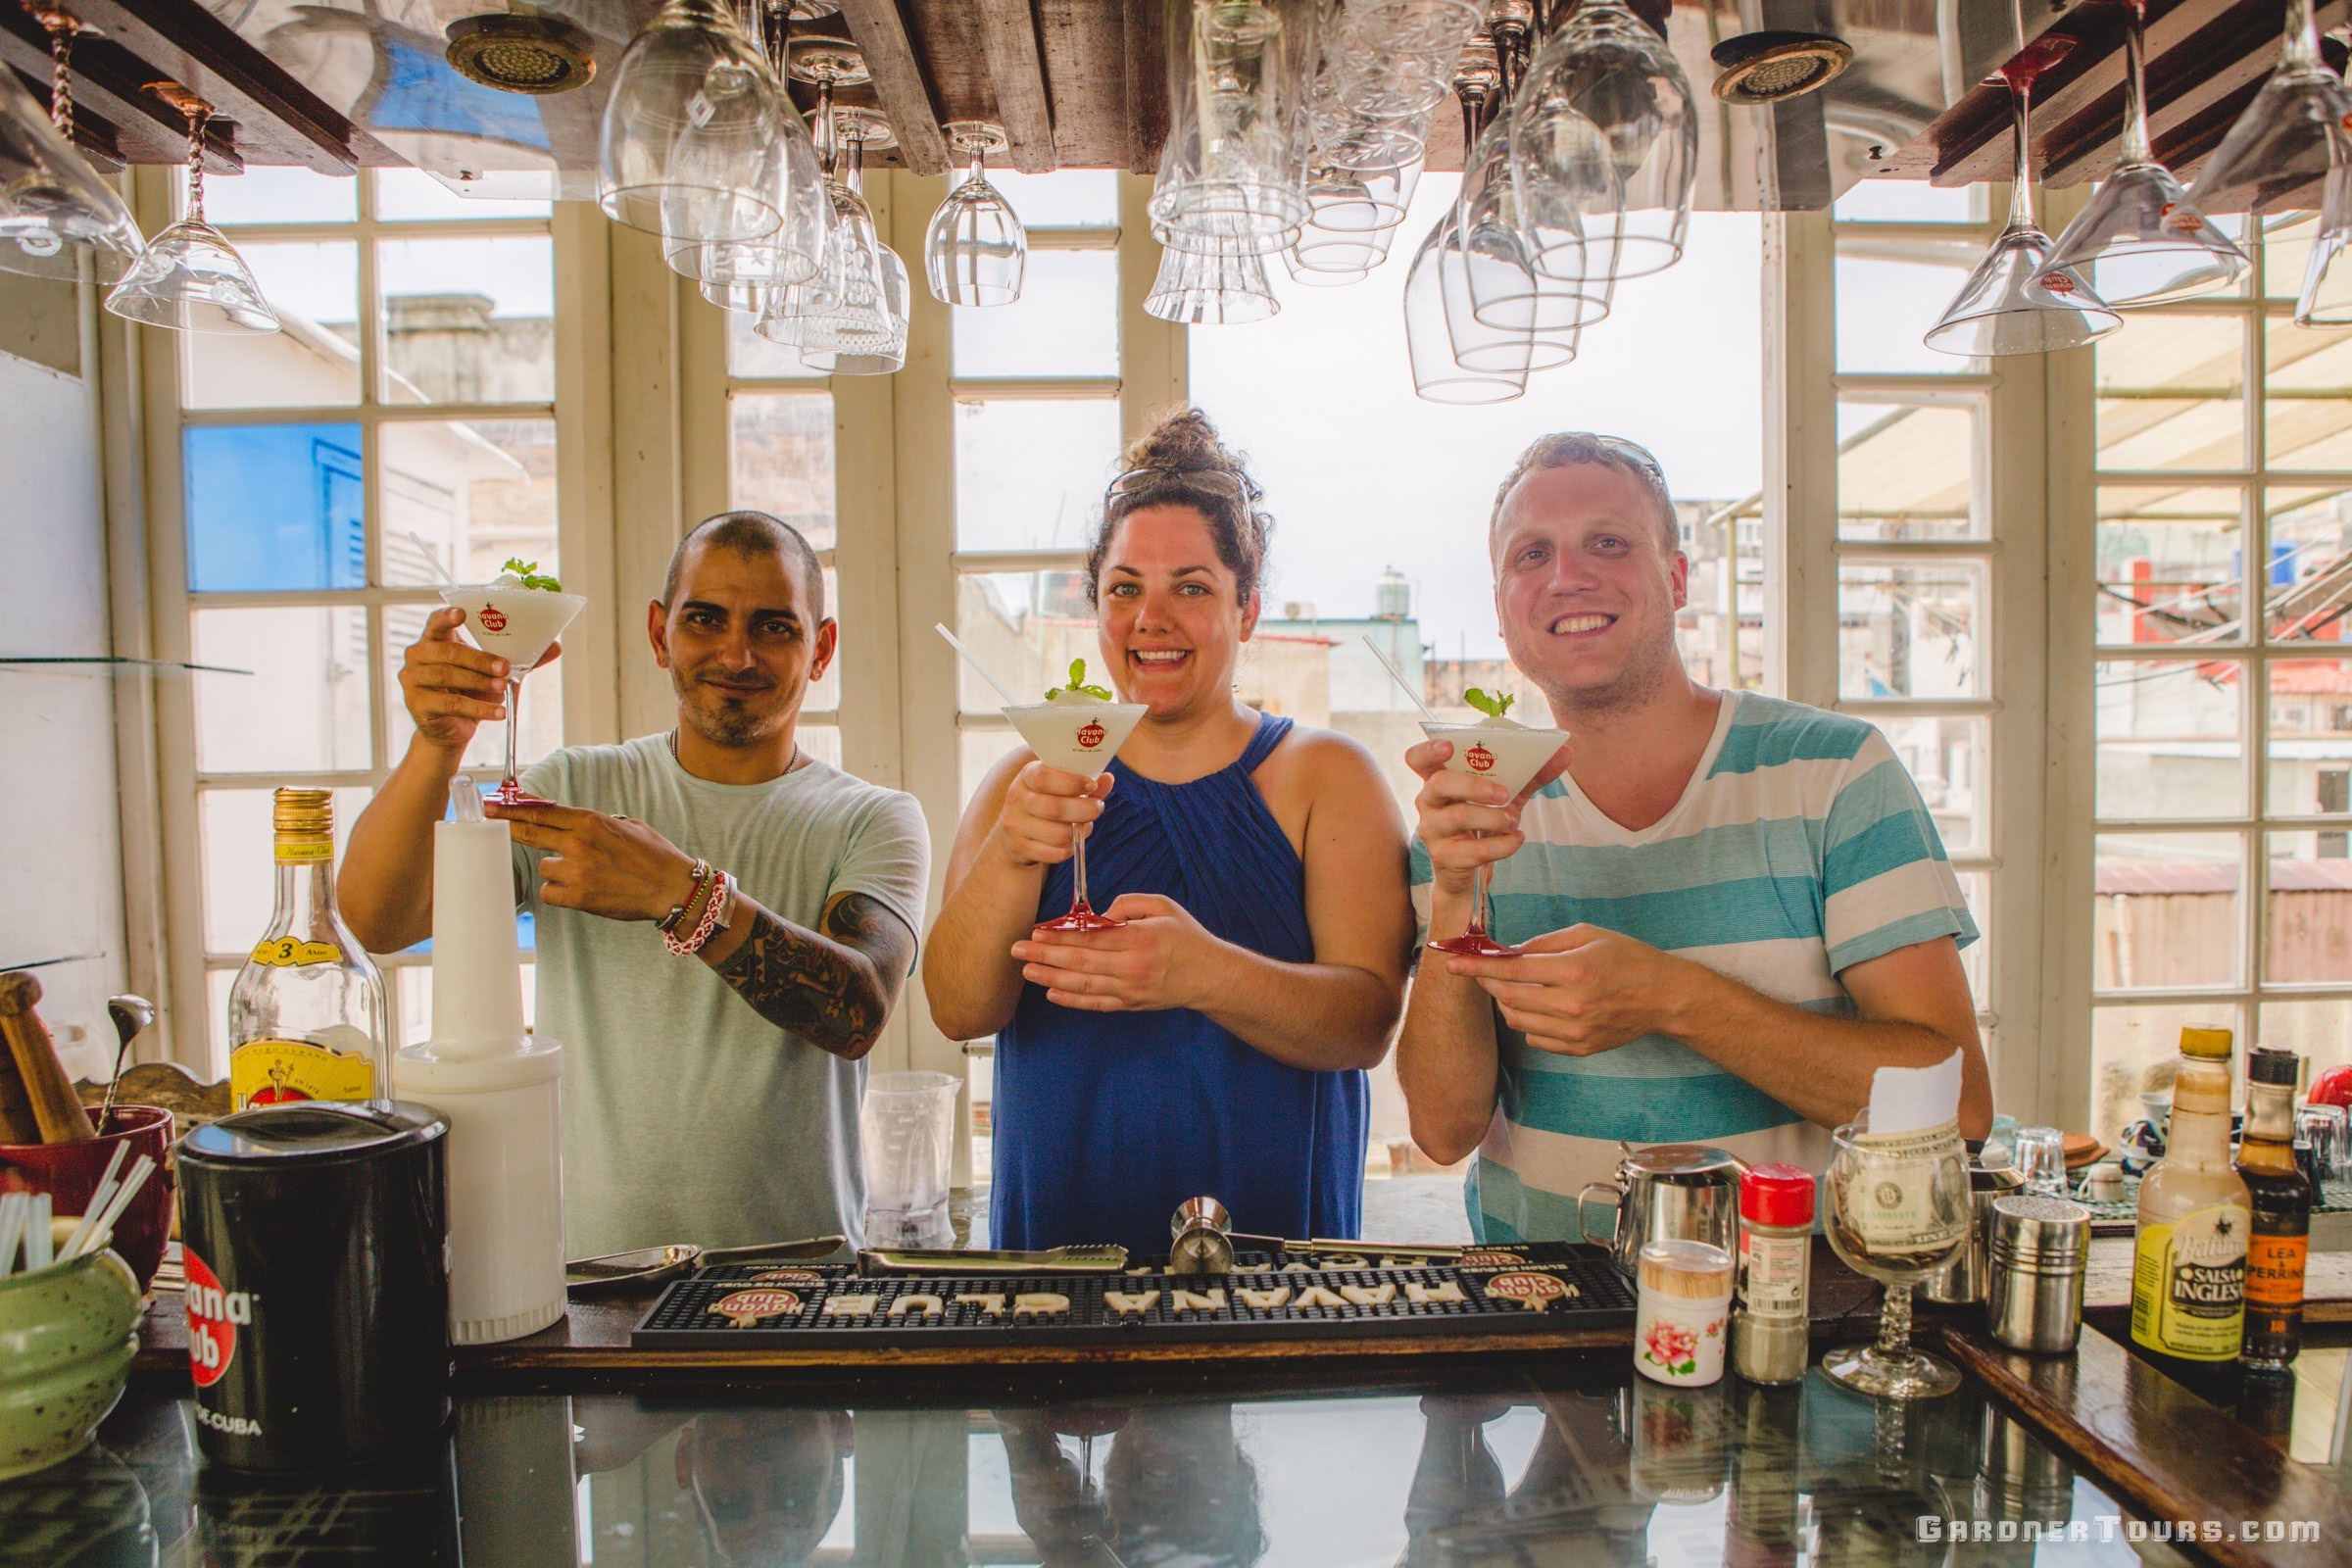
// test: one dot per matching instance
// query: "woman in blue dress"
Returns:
(1216, 1043)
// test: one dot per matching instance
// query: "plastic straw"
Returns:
(12, 1207)
(39, 1244)
(978, 668)
(139, 1172)
(1398, 675)
(98, 1197)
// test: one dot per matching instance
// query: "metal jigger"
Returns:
(1202, 1238)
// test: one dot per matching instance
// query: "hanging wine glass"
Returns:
(1606, 70)
(2016, 302)
(1212, 288)
(191, 279)
(2142, 241)
(975, 251)
(1455, 358)
(2326, 296)
(1233, 170)
(2292, 134)
(53, 206)
(694, 131)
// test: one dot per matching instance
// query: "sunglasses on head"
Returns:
(1216, 481)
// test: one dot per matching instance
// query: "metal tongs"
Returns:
(1106, 1259)
(616, 1272)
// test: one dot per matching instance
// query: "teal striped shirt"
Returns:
(1800, 849)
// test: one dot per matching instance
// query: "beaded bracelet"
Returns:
(676, 918)
(720, 882)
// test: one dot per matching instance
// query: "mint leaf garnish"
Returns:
(1078, 684)
(1493, 706)
(532, 575)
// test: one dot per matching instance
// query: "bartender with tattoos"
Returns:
(724, 921)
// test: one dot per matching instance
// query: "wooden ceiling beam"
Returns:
(1147, 86)
(114, 116)
(1008, 36)
(881, 36)
(283, 121)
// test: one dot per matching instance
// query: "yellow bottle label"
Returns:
(291, 952)
(269, 1072)
(305, 851)
(2189, 1284)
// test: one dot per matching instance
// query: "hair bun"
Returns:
(1182, 440)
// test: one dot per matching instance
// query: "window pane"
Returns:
(1072, 198)
(751, 356)
(411, 193)
(1947, 758)
(1066, 321)
(239, 875)
(2318, 1031)
(979, 750)
(486, 753)
(266, 195)
(2308, 921)
(1910, 630)
(316, 360)
(273, 507)
(2311, 737)
(468, 320)
(2307, 420)
(459, 499)
(1905, 472)
(820, 741)
(1025, 627)
(2171, 394)
(1886, 305)
(2168, 739)
(1886, 200)
(1975, 960)
(2132, 1053)
(2169, 915)
(782, 459)
(304, 710)
(2309, 584)
(1029, 476)
(2286, 253)
(2168, 563)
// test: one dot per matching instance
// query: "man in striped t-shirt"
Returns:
(1735, 910)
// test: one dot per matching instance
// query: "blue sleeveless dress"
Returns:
(1105, 1122)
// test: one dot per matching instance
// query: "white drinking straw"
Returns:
(12, 1207)
(1399, 676)
(139, 1172)
(98, 1197)
(977, 668)
(39, 1246)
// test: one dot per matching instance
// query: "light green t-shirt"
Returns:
(687, 1116)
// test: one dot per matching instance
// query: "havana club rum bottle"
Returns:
(306, 1018)
(2188, 1268)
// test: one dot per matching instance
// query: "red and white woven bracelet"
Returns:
(686, 947)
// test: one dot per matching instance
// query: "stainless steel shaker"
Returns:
(2033, 1284)
(1961, 1282)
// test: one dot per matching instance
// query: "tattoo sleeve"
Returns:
(832, 986)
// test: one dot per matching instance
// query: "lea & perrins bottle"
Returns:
(2280, 1240)
(2188, 1268)
(307, 1016)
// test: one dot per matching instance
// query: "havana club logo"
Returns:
(213, 1318)
(2058, 282)
(2179, 217)
(1535, 1291)
(746, 1307)
(788, 1276)
(1489, 1258)
(492, 618)
(1480, 759)
(1091, 736)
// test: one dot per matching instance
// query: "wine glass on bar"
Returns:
(517, 616)
(1898, 1210)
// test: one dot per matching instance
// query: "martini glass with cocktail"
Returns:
(1078, 728)
(516, 616)
(1504, 751)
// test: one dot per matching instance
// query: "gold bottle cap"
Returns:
(2207, 1044)
(309, 812)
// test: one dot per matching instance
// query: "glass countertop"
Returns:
(1577, 1464)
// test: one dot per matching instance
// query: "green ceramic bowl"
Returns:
(66, 1336)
